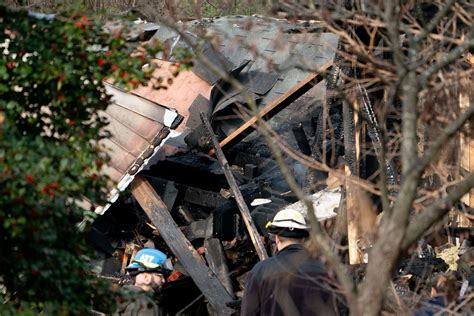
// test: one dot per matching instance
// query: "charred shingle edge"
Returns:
(166, 120)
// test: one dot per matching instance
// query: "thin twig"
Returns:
(190, 304)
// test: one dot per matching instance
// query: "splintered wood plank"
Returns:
(467, 158)
(352, 213)
(215, 256)
(352, 150)
(244, 210)
(192, 262)
(274, 107)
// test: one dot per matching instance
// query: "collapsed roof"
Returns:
(267, 56)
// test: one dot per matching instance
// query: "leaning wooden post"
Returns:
(352, 154)
(244, 210)
(216, 259)
(467, 160)
(192, 262)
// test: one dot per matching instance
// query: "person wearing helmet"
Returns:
(149, 269)
(290, 282)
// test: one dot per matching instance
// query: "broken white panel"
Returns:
(260, 202)
(324, 202)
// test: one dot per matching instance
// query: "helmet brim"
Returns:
(136, 271)
(287, 232)
(135, 268)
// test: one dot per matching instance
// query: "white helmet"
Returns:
(289, 222)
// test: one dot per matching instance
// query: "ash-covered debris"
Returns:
(190, 180)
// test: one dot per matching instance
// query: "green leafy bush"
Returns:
(51, 88)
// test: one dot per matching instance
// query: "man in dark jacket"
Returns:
(291, 282)
(149, 269)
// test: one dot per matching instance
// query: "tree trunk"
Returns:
(387, 248)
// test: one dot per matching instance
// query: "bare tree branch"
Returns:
(360, 51)
(441, 140)
(390, 96)
(435, 212)
(434, 22)
(384, 253)
(448, 59)
(312, 163)
(320, 237)
(392, 21)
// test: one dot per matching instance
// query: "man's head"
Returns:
(282, 242)
(149, 268)
(150, 281)
(289, 226)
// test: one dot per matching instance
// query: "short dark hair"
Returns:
(296, 239)
(287, 232)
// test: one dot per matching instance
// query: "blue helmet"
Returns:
(149, 260)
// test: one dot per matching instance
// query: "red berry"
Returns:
(101, 61)
(53, 185)
(30, 179)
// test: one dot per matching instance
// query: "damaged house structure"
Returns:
(204, 205)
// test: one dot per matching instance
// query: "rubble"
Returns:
(209, 213)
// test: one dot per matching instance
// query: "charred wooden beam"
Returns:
(189, 169)
(193, 263)
(273, 108)
(244, 210)
(99, 239)
(224, 222)
(203, 198)
(250, 170)
(217, 262)
(196, 229)
(368, 115)
(301, 139)
(166, 189)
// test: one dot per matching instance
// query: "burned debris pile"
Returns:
(181, 196)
